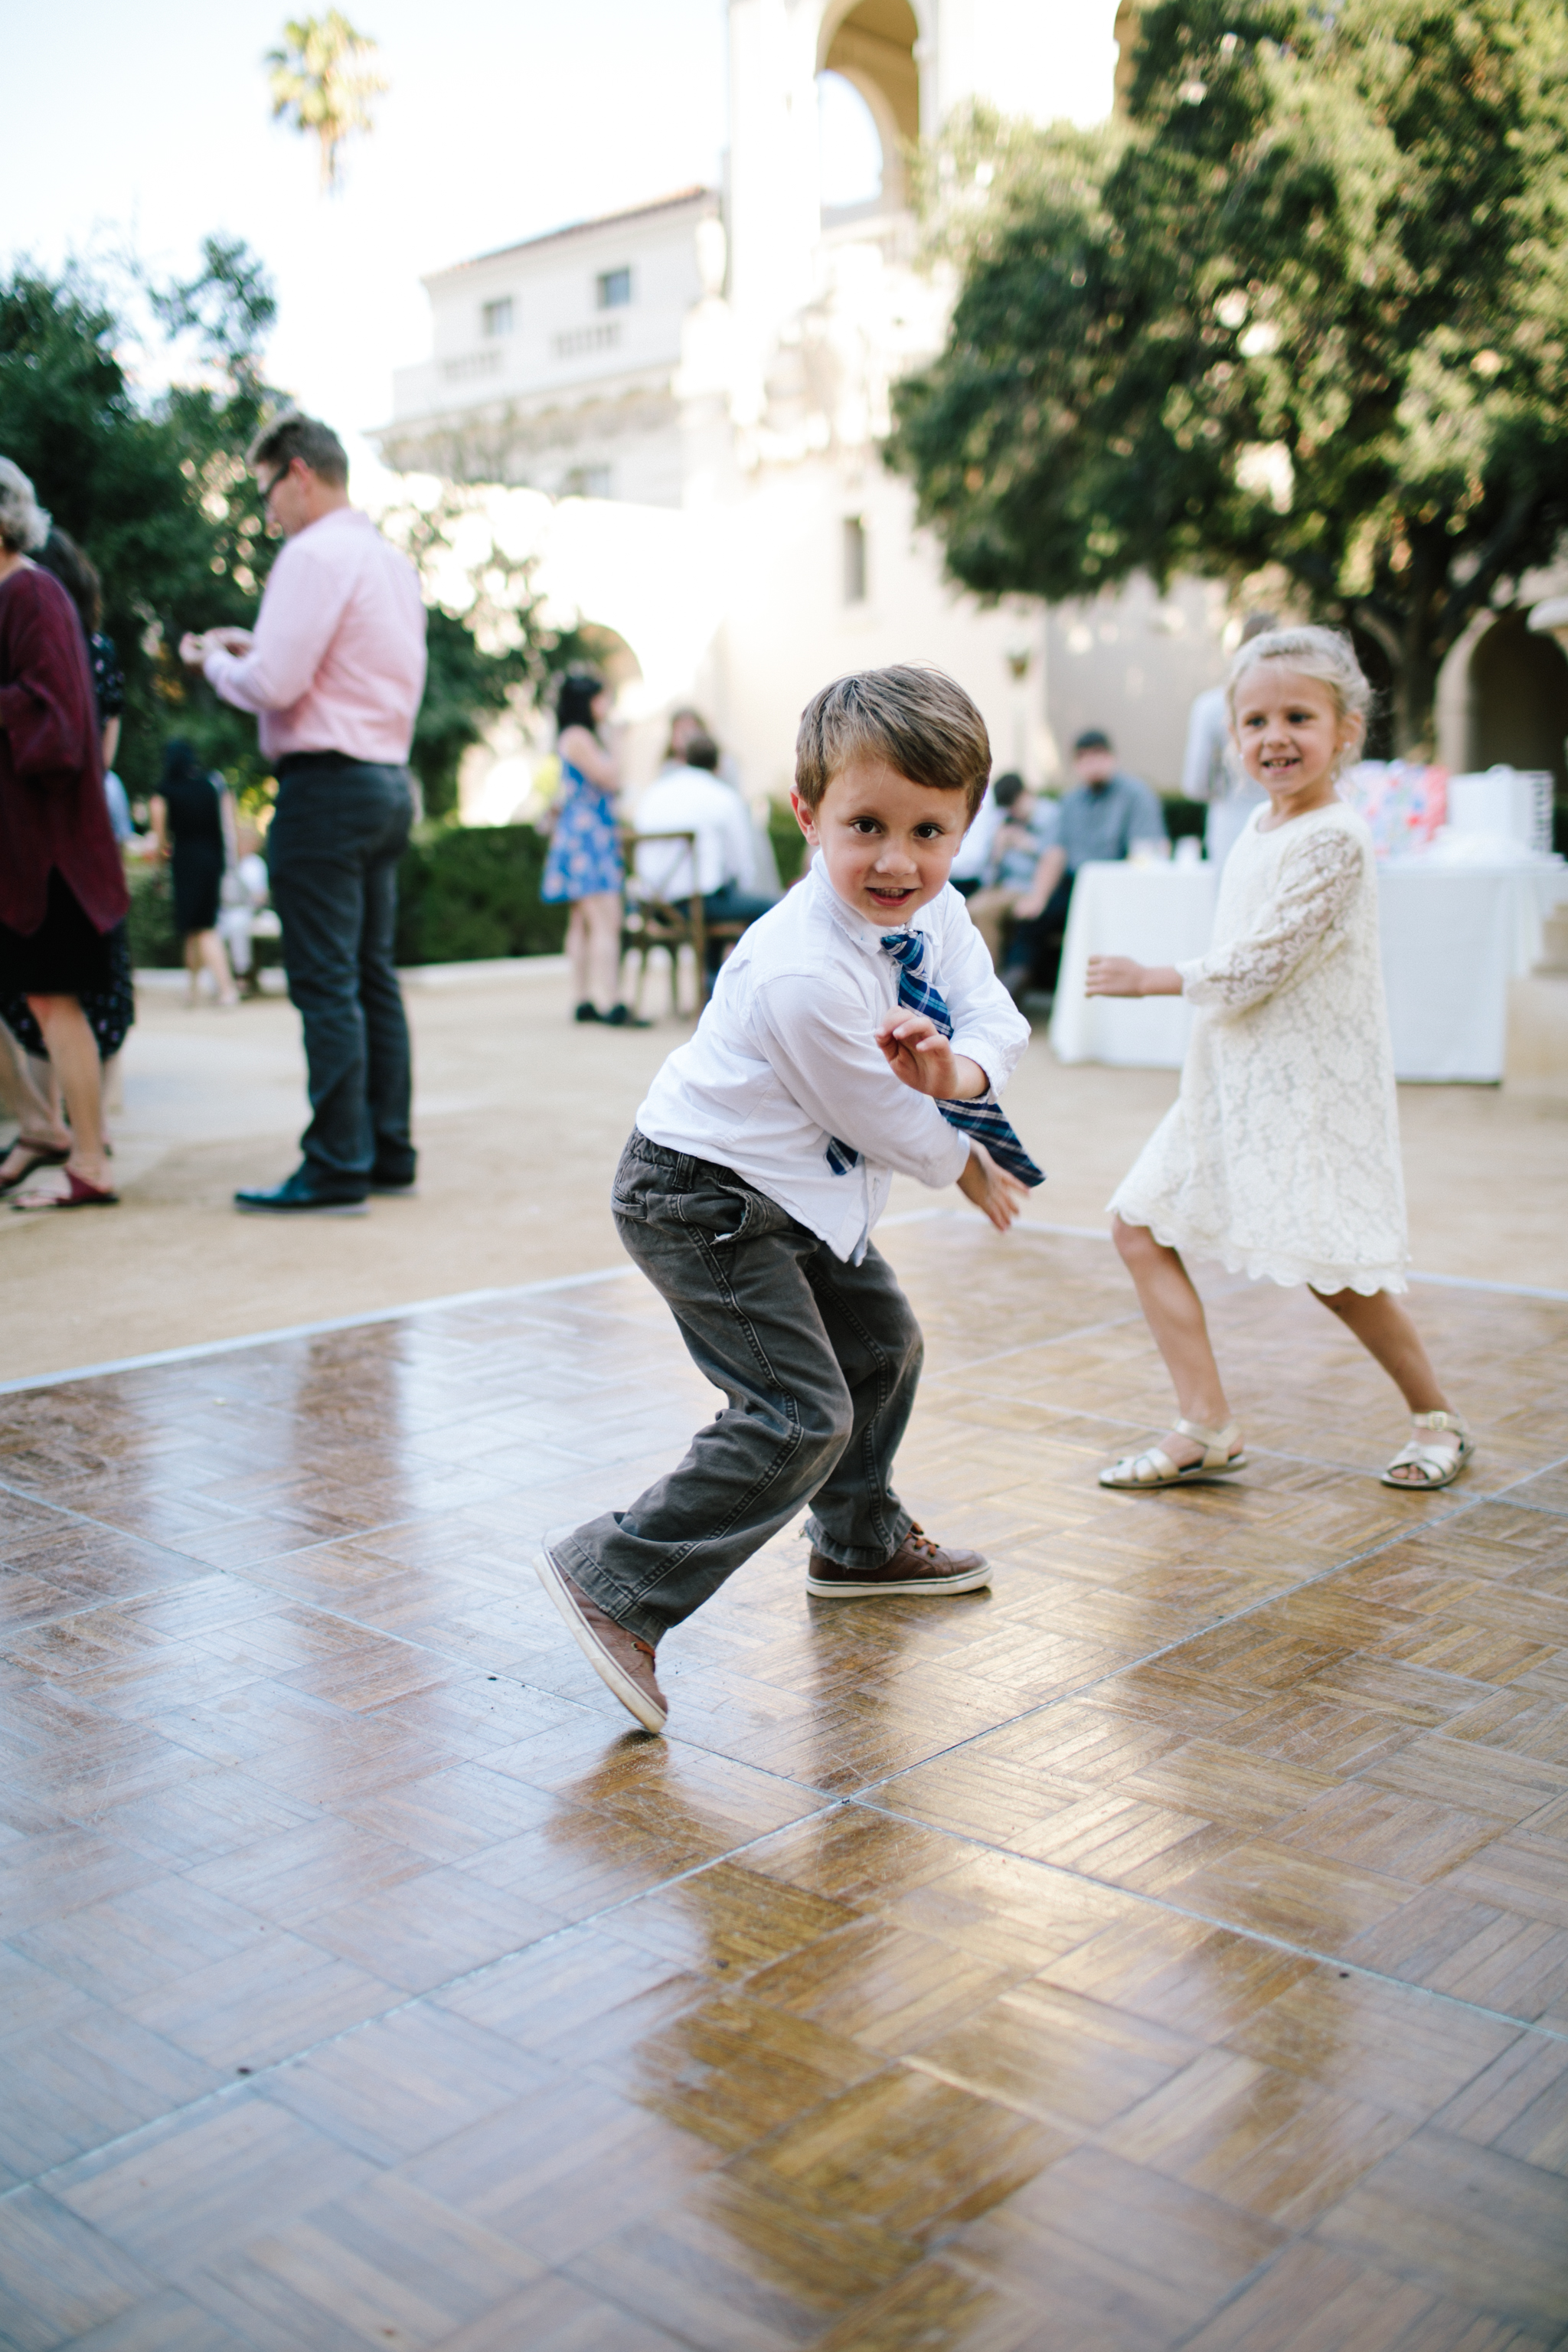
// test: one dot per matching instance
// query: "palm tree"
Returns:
(320, 79)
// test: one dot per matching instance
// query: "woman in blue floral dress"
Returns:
(584, 865)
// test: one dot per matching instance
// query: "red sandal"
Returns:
(81, 1195)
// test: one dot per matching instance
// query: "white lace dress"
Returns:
(1280, 1157)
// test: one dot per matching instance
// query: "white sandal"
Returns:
(1436, 1465)
(1155, 1467)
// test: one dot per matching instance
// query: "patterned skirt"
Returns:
(586, 848)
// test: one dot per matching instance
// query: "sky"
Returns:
(504, 118)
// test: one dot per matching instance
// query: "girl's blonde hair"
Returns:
(1324, 654)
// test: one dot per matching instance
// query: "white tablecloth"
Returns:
(1453, 937)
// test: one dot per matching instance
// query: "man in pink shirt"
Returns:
(335, 670)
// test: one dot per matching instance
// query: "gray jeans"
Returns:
(819, 1361)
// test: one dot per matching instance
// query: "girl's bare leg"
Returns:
(577, 949)
(602, 913)
(73, 1050)
(1175, 1314)
(193, 969)
(212, 954)
(1385, 1330)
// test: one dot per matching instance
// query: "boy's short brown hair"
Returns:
(919, 720)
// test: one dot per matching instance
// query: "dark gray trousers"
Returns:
(819, 1361)
(331, 857)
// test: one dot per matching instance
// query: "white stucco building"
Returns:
(701, 387)
(701, 384)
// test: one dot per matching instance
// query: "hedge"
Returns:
(464, 894)
(154, 944)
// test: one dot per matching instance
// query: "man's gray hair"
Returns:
(293, 435)
(23, 525)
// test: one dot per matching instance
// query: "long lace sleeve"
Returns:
(1318, 880)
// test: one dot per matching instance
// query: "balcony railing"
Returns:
(578, 341)
(470, 365)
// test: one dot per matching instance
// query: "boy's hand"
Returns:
(922, 1057)
(996, 1194)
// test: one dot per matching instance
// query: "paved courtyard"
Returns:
(1167, 1949)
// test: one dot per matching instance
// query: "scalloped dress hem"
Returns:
(1263, 1265)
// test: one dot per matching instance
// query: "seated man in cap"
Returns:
(1098, 822)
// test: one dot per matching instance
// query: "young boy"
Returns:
(762, 1158)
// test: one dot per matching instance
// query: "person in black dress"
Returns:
(191, 825)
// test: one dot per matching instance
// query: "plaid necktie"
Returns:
(983, 1119)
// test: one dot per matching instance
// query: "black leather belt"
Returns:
(292, 763)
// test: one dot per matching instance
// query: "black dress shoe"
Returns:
(404, 1186)
(621, 1016)
(306, 1190)
(586, 1011)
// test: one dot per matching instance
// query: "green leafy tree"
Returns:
(1306, 307)
(322, 80)
(154, 490)
(157, 491)
(489, 645)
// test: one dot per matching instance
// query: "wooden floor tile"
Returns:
(386, 2264)
(566, 2164)
(909, 2151)
(179, 2196)
(394, 2088)
(742, 2267)
(1064, 2236)
(60, 2277)
(1054, 2054)
(556, 2314)
(1167, 1948)
(1313, 2300)
(1465, 2222)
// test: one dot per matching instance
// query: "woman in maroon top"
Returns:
(62, 886)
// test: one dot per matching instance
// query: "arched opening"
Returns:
(509, 777)
(872, 48)
(1519, 700)
(605, 650)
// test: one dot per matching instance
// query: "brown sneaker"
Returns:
(617, 1657)
(918, 1566)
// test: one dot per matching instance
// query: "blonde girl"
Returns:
(1280, 1157)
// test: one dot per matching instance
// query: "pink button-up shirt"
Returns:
(338, 661)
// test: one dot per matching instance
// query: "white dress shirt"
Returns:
(691, 799)
(785, 1056)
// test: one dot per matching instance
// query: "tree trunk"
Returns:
(1412, 664)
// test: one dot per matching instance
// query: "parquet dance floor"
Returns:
(1167, 1949)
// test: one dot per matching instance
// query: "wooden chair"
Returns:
(652, 920)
